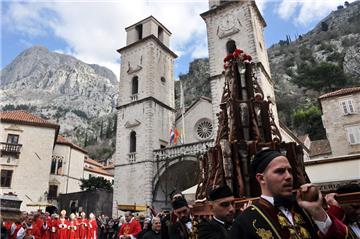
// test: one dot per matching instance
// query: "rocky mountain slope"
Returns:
(334, 42)
(79, 96)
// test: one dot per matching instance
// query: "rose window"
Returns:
(204, 129)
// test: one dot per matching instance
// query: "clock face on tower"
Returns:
(228, 25)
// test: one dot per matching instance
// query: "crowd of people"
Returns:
(279, 213)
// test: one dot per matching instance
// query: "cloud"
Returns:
(287, 9)
(94, 30)
(304, 12)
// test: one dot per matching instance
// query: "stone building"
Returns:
(37, 163)
(336, 160)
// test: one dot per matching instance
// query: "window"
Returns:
(204, 129)
(135, 85)
(347, 107)
(139, 30)
(133, 142)
(53, 166)
(12, 139)
(160, 33)
(353, 134)
(6, 176)
(52, 192)
(59, 168)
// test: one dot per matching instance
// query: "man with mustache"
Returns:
(279, 213)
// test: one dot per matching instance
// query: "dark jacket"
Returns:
(178, 231)
(152, 235)
(212, 229)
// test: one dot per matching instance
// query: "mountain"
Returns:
(80, 97)
(195, 82)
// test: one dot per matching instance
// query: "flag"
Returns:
(174, 136)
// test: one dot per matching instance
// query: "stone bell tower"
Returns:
(145, 109)
(240, 21)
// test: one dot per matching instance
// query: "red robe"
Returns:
(17, 228)
(54, 226)
(131, 228)
(73, 230)
(62, 229)
(93, 229)
(83, 228)
(46, 230)
(7, 224)
(38, 228)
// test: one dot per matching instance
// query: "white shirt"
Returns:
(323, 226)
(355, 229)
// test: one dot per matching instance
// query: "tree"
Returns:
(322, 77)
(307, 120)
(94, 183)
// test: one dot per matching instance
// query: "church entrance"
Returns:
(176, 176)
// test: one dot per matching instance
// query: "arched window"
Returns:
(53, 166)
(132, 142)
(59, 168)
(135, 85)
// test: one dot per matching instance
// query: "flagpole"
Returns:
(182, 105)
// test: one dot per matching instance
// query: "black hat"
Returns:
(348, 188)
(220, 192)
(179, 202)
(262, 159)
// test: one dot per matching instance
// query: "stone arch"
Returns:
(177, 174)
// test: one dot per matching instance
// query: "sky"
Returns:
(92, 30)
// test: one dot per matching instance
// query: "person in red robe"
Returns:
(15, 227)
(38, 224)
(46, 228)
(62, 229)
(83, 226)
(54, 225)
(131, 228)
(72, 227)
(93, 227)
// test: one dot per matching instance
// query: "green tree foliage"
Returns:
(307, 120)
(94, 183)
(321, 77)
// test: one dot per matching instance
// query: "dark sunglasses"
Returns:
(226, 204)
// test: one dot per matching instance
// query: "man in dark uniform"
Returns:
(278, 214)
(218, 227)
(183, 228)
(347, 213)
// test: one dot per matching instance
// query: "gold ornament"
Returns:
(264, 234)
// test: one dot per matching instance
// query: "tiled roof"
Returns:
(98, 170)
(24, 117)
(110, 166)
(345, 91)
(93, 162)
(61, 140)
(320, 147)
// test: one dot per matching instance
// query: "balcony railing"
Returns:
(10, 149)
(132, 157)
(134, 97)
